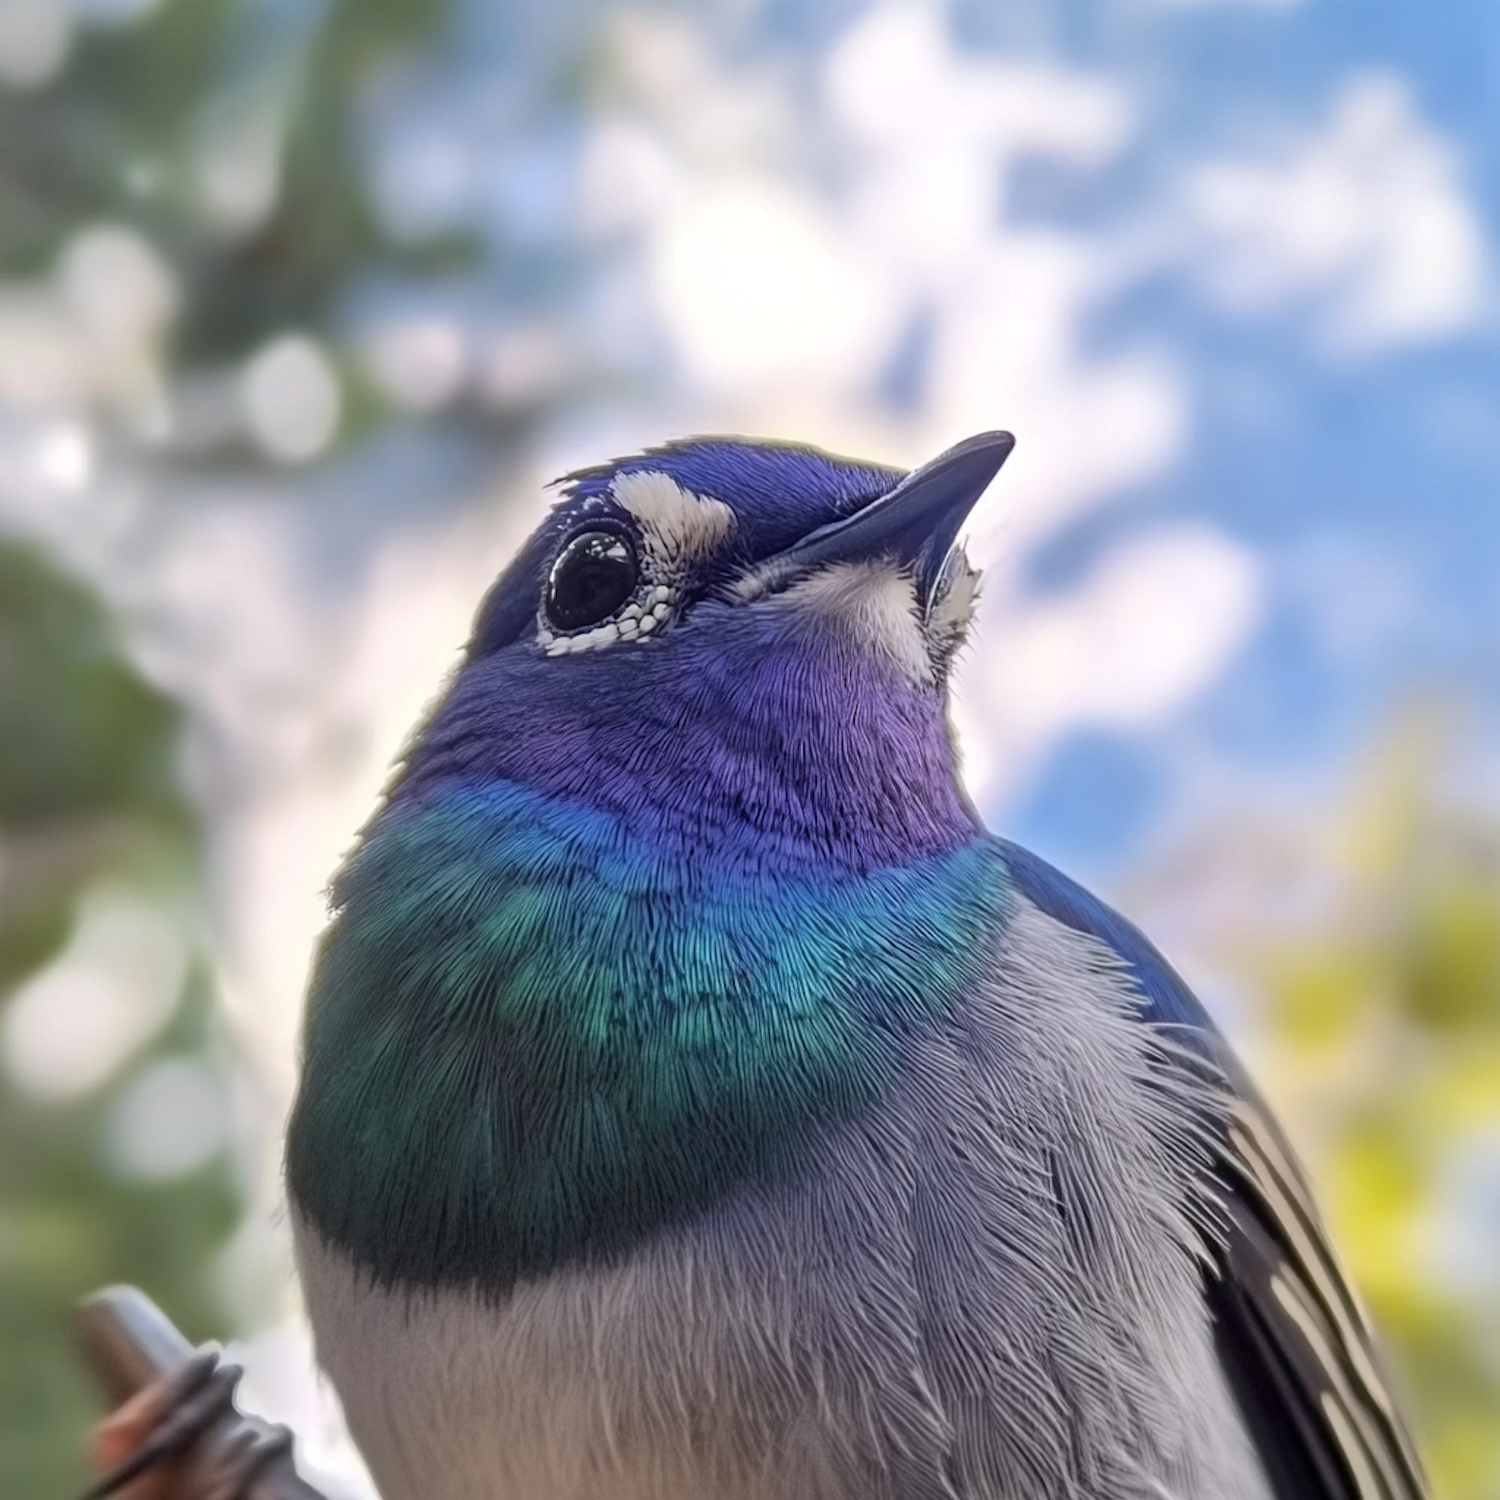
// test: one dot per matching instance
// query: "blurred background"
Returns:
(301, 304)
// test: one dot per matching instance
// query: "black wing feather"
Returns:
(1298, 1348)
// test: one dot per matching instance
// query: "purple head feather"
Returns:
(769, 722)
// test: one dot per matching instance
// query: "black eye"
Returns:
(592, 577)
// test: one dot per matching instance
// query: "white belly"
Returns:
(544, 1397)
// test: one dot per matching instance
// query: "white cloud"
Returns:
(1134, 641)
(765, 284)
(1367, 224)
(1006, 352)
(936, 132)
(784, 298)
(758, 284)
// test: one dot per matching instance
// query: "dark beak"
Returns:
(915, 524)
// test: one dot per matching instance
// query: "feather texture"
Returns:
(988, 1285)
(699, 1105)
(1291, 1333)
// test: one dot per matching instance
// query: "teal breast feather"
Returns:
(532, 1037)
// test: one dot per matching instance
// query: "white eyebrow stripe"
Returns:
(681, 524)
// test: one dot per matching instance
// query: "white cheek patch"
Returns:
(951, 615)
(677, 524)
(875, 602)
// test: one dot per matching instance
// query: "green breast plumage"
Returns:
(531, 1036)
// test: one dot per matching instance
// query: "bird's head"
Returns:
(733, 647)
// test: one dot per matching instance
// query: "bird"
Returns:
(698, 1102)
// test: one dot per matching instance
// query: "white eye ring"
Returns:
(639, 619)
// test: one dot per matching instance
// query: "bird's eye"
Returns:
(592, 577)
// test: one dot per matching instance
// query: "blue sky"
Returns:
(1367, 480)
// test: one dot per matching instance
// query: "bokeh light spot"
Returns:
(72, 1026)
(291, 399)
(171, 1121)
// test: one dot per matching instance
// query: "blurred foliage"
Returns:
(89, 801)
(1385, 1027)
(93, 801)
(175, 123)
(1366, 942)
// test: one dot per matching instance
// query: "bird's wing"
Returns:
(1293, 1340)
